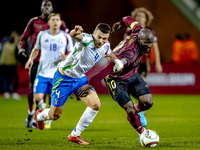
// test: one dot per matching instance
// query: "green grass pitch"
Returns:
(176, 118)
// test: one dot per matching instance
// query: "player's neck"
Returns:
(44, 17)
(54, 31)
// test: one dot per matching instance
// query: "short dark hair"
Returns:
(46, 1)
(53, 14)
(103, 27)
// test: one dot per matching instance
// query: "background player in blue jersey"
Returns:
(53, 44)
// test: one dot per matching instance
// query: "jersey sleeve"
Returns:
(27, 32)
(69, 45)
(38, 41)
(132, 23)
(102, 74)
(107, 49)
(87, 39)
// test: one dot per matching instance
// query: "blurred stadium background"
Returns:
(175, 117)
(172, 17)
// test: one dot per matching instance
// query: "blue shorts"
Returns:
(64, 86)
(42, 85)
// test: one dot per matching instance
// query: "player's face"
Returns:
(46, 8)
(141, 18)
(145, 44)
(100, 38)
(55, 22)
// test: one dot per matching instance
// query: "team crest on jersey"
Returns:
(39, 26)
(56, 101)
(60, 41)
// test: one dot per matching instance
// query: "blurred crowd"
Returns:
(9, 62)
(185, 50)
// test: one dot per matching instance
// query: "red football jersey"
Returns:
(34, 26)
(128, 51)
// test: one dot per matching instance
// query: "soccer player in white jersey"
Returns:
(70, 76)
(53, 44)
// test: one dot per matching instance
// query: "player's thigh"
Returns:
(146, 99)
(63, 87)
(38, 97)
(92, 100)
(118, 89)
(138, 87)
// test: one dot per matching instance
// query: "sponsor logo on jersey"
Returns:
(46, 40)
(39, 26)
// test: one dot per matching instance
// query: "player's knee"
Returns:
(38, 98)
(129, 108)
(146, 99)
(149, 101)
(55, 116)
(96, 106)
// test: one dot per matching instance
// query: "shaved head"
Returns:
(146, 33)
(145, 40)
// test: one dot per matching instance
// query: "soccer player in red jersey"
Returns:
(34, 26)
(144, 18)
(127, 82)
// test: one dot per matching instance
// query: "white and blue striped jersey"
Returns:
(51, 47)
(83, 57)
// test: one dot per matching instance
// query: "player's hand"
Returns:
(116, 73)
(63, 56)
(22, 52)
(118, 65)
(78, 29)
(29, 65)
(116, 27)
(84, 90)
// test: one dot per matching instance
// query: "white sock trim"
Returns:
(31, 113)
(41, 104)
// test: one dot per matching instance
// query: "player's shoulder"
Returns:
(34, 19)
(43, 32)
(107, 44)
(66, 34)
(86, 35)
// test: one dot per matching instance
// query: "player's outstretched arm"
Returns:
(76, 33)
(84, 90)
(116, 27)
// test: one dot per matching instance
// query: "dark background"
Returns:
(88, 13)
